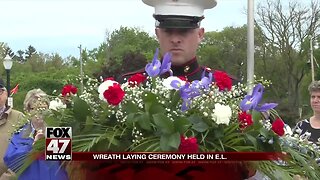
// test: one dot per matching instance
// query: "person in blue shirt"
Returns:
(35, 104)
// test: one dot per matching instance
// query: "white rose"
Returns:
(167, 82)
(105, 86)
(56, 104)
(222, 114)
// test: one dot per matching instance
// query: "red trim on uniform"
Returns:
(195, 71)
(134, 72)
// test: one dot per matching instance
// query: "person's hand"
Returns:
(38, 135)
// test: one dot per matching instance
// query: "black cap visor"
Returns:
(178, 22)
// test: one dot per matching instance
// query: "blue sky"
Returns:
(60, 26)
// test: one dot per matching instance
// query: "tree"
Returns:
(286, 31)
(122, 45)
(127, 39)
(9, 52)
(37, 62)
(20, 56)
(30, 51)
(227, 50)
(2, 49)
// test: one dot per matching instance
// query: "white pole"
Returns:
(250, 46)
(311, 58)
(81, 70)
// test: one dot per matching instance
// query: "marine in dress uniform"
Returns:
(181, 15)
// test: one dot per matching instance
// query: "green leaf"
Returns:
(81, 109)
(174, 140)
(147, 145)
(164, 146)
(131, 119)
(181, 124)
(200, 127)
(218, 133)
(194, 119)
(198, 124)
(256, 115)
(144, 121)
(175, 99)
(149, 99)
(264, 132)
(163, 123)
(130, 107)
(252, 139)
(156, 108)
(170, 142)
(89, 124)
(52, 121)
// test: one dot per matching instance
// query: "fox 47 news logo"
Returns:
(58, 143)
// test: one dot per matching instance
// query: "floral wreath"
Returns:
(150, 114)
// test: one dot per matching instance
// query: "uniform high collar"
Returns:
(186, 69)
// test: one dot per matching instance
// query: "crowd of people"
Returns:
(179, 32)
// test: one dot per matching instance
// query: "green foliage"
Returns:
(126, 40)
(225, 50)
(126, 50)
(47, 81)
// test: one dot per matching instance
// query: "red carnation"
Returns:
(68, 90)
(278, 127)
(223, 81)
(188, 145)
(136, 79)
(114, 94)
(245, 120)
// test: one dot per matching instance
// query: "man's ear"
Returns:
(200, 34)
(156, 30)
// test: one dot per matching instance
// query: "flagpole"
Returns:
(250, 46)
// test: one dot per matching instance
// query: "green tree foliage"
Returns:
(286, 28)
(126, 50)
(30, 52)
(44, 71)
(2, 49)
(20, 56)
(9, 52)
(226, 50)
(127, 39)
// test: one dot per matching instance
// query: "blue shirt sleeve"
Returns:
(17, 151)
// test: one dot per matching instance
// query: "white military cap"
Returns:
(179, 13)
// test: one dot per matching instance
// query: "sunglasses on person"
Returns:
(3, 89)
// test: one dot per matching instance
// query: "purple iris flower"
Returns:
(185, 105)
(252, 101)
(204, 75)
(153, 69)
(176, 84)
(187, 92)
(156, 68)
(203, 83)
(166, 63)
